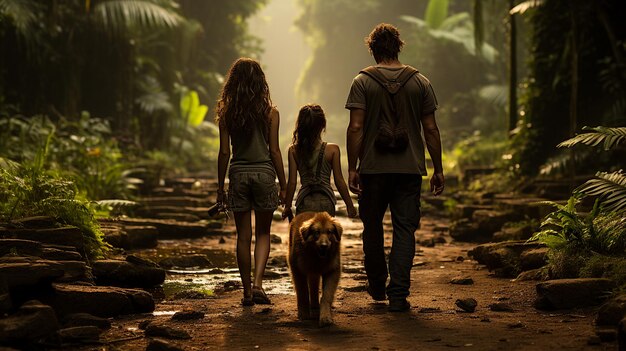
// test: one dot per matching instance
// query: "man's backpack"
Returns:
(392, 135)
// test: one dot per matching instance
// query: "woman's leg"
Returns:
(263, 223)
(244, 238)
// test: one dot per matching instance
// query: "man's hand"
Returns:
(282, 194)
(221, 194)
(436, 184)
(354, 182)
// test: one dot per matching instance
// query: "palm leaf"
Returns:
(609, 187)
(119, 15)
(525, 6)
(436, 13)
(420, 23)
(610, 137)
(23, 14)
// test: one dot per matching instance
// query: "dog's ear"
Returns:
(338, 230)
(305, 229)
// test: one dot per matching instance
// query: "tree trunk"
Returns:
(573, 104)
(512, 69)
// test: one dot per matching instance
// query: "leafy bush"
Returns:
(84, 150)
(30, 191)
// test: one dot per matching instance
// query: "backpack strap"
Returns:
(393, 85)
(320, 158)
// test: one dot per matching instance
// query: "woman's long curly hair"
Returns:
(310, 124)
(245, 100)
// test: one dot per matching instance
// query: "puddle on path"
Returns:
(207, 280)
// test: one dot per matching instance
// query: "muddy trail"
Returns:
(200, 309)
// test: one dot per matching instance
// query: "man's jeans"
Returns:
(402, 193)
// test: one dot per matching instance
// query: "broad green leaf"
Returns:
(436, 13)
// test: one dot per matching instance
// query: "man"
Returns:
(391, 176)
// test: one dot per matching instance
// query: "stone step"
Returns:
(31, 271)
(177, 201)
(130, 237)
(170, 229)
(68, 236)
(173, 192)
(100, 301)
(530, 207)
(182, 217)
(127, 274)
(152, 211)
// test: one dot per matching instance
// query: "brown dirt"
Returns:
(433, 323)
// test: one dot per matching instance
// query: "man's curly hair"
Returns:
(384, 42)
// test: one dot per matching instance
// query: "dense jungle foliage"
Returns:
(97, 94)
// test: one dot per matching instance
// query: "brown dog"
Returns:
(314, 253)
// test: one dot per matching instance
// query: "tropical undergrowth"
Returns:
(30, 190)
(593, 243)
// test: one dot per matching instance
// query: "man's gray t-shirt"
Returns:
(368, 95)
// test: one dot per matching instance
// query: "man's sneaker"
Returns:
(399, 305)
(376, 295)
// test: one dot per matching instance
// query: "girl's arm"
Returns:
(291, 184)
(340, 183)
(222, 160)
(276, 156)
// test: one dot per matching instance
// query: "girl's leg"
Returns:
(263, 222)
(244, 238)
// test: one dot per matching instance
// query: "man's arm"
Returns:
(433, 143)
(354, 138)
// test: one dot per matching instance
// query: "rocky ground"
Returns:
(462, 296)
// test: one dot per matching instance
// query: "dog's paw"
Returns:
(326, 321)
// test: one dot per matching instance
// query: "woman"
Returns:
(248, 121)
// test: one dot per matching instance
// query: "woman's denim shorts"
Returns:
(252, 191)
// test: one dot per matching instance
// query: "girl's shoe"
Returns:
(259, 296)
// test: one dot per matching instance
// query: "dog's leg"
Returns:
(314, 295)
(302, 294)
(329, 287)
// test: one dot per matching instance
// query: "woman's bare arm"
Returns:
(222, 160)
(340, 183)
(275, 154)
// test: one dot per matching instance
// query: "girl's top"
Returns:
(315, 176)
(251, 152)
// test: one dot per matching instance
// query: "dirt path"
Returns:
(434, 322)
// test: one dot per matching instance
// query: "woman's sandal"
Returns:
(247, 301)
(259, 297)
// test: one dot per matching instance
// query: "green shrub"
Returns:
(30, 191)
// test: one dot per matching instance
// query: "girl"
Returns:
(248, 121)
(314, 159)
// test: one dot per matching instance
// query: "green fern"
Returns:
(610, 137)
(609, 187)
(119, 15)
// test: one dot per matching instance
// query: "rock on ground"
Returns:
(101, 301)
(572, 293)
(31, 322)
(127, 274)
